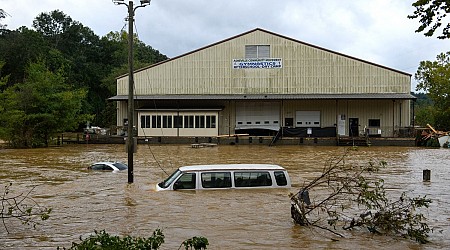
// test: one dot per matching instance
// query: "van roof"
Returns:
(231, 167)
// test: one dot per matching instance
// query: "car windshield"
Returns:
(120, 166)
(166, 183)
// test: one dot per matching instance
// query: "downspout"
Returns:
(229, 117)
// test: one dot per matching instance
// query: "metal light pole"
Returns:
(130, 139)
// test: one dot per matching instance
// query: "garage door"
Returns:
(258, 115)
(307, 119)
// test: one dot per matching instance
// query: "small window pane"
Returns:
(251, 51)
(178, 121)
(153, 121)
(186, 181)
(252, 179)
(374, 122)
(280, 178)
(142, 121)
(147, 121)
(263, 51)
(189, 121)
(216, 180)
(202, 121)
(213, 121)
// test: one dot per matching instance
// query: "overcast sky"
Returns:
(374, 30)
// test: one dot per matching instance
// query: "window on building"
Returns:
(188, 121)
(210, 121)
(145, 121)
(374, 123)
(156, 121)
(153, 121)
(199, 121)
(167, 121)
(257, 51)
(177, 121)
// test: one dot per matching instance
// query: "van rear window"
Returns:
(252, 179)
(216, 180)
(280, 178)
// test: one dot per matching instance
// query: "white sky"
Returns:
(374, 30)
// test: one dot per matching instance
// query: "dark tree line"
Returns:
(79, 62)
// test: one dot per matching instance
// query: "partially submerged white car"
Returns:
(226, 176)
(108, 166)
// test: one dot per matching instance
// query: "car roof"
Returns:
(104, 162)
(231, 167)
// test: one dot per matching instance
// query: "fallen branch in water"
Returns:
(21, 207)
(348, 197)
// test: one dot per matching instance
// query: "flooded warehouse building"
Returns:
(259, 82)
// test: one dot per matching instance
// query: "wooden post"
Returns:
(426, 175)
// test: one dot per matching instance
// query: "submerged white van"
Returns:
(226, 176)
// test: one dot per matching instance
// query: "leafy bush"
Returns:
(103, 240)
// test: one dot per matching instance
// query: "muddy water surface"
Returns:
(85, 201)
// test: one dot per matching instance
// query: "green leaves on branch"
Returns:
(432, 15)
(347, 197)
(21, 207)
(103, 240)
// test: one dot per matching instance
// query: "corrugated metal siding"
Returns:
(306, 69)
(387, 111)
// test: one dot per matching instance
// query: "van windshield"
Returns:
(166, 183)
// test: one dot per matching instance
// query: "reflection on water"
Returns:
(85, 201)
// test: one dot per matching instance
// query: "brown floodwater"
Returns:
(85, 201)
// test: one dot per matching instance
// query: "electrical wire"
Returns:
(154, 102)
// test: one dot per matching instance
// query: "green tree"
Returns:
(40, 107)
(17, 49)
(431, 14)
(434, 78)
(85, 60)
(423, 110)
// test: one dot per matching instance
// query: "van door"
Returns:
(186, 181)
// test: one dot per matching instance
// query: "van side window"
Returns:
(186, 181)
(216, 180)
(252, 179)
(280, 178)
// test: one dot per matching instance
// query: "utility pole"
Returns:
(130, 139)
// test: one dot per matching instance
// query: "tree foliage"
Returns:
(103, 240)
(432, 15)
(21, 207)
(38, 108)
(346, 197)
(423, 110)
(83, 61)
(434, 78)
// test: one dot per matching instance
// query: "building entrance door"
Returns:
(353, 129)
(288, 122)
